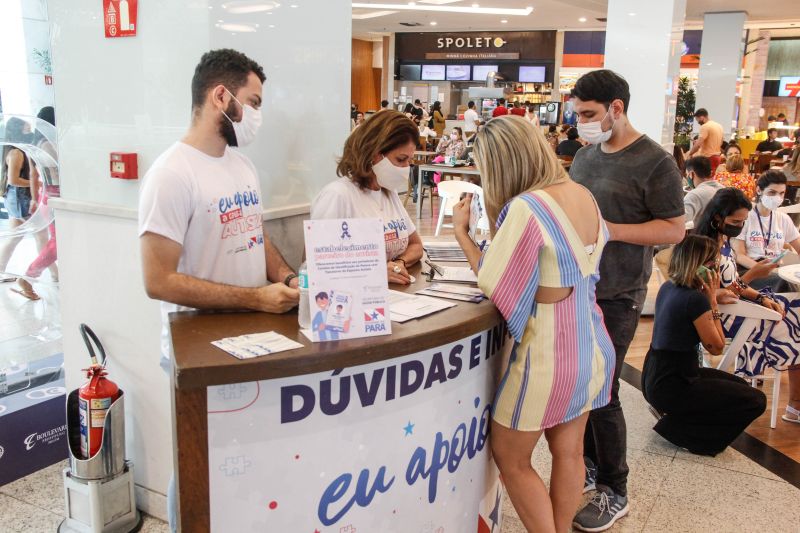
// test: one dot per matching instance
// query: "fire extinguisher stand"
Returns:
(98, 491)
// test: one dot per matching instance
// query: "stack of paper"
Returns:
(454, 291)
(444, 252)
(404, 307)
(256, 344)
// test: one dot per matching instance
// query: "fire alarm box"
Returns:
(124, 166)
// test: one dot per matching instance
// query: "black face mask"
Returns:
(731, 231)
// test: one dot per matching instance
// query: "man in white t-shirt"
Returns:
(200, 210)
(471, 120)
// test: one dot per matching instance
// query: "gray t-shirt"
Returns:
(638, 184)
(698, 199)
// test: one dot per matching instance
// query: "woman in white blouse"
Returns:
(767, 233)
(375, 164)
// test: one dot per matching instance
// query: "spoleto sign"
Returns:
(470, 42)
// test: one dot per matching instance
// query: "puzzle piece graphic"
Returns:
(235, 466)
(232, 392)
(348, 529)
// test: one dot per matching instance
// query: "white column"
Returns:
(753, 89)
(644, 47)
(720, 66)
(555, 94)
(390, 85)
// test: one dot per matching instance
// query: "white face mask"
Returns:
(592, 132)
(454, 136)
(771, 202)
(247, 128)
(390, 176)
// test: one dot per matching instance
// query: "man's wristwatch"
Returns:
(289, 279)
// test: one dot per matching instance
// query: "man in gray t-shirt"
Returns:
(637, 185)
(704, 187)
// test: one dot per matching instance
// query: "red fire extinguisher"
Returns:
(95, 397)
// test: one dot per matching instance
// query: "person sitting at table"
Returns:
(700, 409)
(771, 145)
(408, 111)
(767, 231)
(735, 176)
(703, 187)
(571, 146)
(552, 136)
(540, 271)
(731, 149)
(373, 167)
(792, 167)
(772, 344)
(451, 147)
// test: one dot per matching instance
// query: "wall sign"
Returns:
(120, 17)
(532, 45)
(398, 445)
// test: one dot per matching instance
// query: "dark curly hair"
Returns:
(222, 67)
(726, 202)
(602, 86)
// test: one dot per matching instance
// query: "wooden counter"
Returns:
(199, 365)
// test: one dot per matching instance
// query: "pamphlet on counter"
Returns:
(348, 293)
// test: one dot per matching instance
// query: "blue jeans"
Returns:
(18, 202)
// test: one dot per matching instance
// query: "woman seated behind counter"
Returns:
(373, 167)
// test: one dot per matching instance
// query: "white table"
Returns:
(441, 169)
(790, 273)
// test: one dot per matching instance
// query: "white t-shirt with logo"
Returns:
(470, 116)
(783, 231)
(212, 207)
(344, 199)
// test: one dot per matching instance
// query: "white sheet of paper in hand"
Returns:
(459, 274)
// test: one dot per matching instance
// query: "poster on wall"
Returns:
(348, 283)
(789, 86)
(119, 17)
(399, 445)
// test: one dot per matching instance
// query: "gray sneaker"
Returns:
(591, 475)
(602, 511)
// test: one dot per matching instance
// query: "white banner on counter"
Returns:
(395, 446)
(347, 279)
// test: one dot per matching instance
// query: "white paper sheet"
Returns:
(256, 344)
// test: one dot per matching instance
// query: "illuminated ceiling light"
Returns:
(372, 14)
(244, 28)
(504, 21)
(241, 7)
(448, 9)
(412, 4)
(293, 5)
(582, 19)
(631, 14)
(433, 23)
(476, 6)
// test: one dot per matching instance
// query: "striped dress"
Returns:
(563, 359)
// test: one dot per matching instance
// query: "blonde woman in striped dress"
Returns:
(540, 271)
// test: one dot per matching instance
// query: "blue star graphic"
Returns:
(374, 315)
(494, 516)
(409, 429)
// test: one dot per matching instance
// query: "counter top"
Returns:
(200, 364)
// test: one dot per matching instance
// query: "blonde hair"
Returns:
(734, 163)
(513, 157)
(689, 255)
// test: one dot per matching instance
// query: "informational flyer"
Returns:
(347, 280)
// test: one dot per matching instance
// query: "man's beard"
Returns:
(226, 127)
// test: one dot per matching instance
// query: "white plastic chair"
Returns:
(753, 314)
(450, 192)
(790, 209)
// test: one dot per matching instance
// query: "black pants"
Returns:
(704, 412)
(606, 439)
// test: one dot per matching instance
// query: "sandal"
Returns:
(792, 415)
(7, 279)
(30, 295)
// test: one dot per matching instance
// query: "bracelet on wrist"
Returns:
(716, 315)
(289, 279)
(400, 260)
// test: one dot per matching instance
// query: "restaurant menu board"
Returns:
(790, 86)
(433, 72)
(531, 74)
(479, 72)
(347, 279)
(458, 72)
